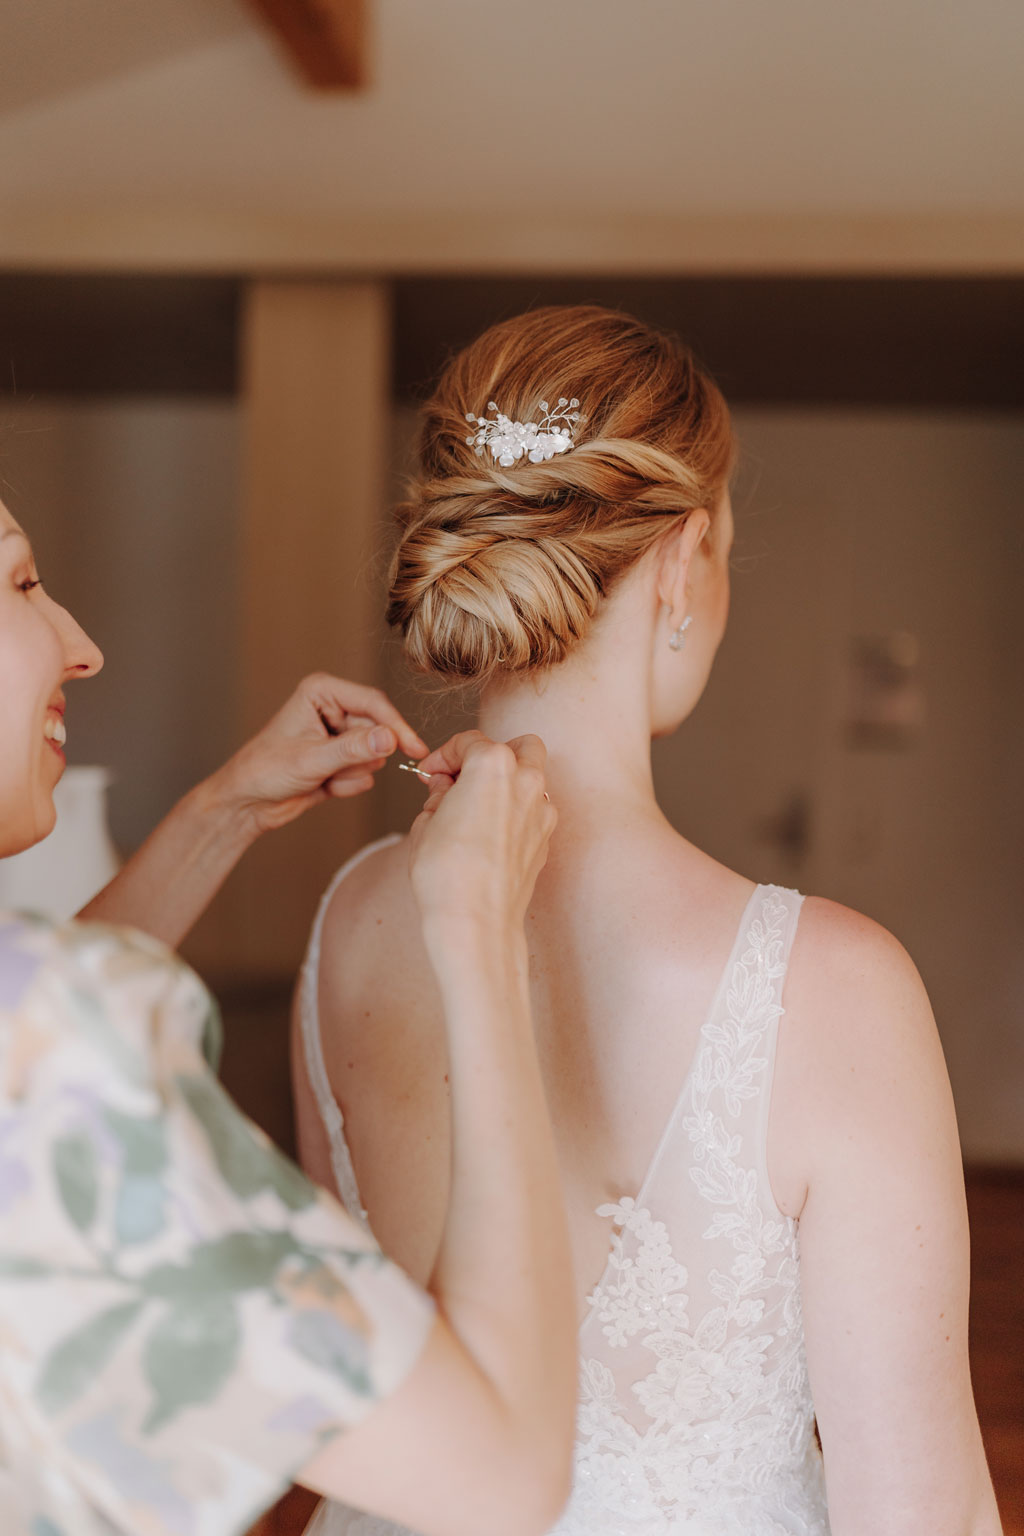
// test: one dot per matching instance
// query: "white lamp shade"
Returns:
(60, 874)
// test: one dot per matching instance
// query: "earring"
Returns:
(677, 639)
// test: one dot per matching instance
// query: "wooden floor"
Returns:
(996, 1202)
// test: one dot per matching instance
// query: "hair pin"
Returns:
(509, 440)
(412, 768)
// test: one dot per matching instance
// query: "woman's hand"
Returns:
(480, 841)
(328, 740)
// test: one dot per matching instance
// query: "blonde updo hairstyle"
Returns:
(502, 570)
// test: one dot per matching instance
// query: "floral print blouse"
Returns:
(184, 1318)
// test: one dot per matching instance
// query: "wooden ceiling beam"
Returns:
(326, 40)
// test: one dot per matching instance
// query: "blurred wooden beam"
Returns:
(326, 40)
(315, 376)
(316, 391)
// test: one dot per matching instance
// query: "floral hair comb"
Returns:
(509, 440)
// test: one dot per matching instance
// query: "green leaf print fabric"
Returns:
(184, 1318)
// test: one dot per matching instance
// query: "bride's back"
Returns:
(656, 979)
(628, 934)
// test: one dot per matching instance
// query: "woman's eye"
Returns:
(28, 586)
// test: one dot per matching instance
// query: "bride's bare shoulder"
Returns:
(855, 993)
(373, 871)
(367, 991)
(371, 905)
(858, 1017)
(860, 1082)
(838, 952)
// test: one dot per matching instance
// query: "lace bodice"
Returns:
(695, 1411)
(695, 1414)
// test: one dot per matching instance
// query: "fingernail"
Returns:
(381, 739)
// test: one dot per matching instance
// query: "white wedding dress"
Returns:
(695, 1413)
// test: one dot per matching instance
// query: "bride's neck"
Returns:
(593, 714)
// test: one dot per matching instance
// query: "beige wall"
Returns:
(848, 524)
(860, 525)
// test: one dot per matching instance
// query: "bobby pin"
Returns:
(412, 768)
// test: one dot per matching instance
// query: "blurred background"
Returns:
(237, 241)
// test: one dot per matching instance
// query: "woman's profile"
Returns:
(756, 1136)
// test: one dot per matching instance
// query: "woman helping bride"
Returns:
(755, 1131)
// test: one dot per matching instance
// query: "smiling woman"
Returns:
(186, 1322)
(41, 647)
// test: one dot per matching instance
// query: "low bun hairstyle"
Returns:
(502, 570)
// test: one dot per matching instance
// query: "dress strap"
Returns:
(312, 1042)
(780, 914)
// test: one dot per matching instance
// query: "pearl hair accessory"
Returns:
(509, 440)
(677, 639)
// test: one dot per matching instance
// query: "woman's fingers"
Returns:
(439, 786)
(354, 782)
(482, 838)
(532, 759)
(327, 740)
(356, 747)
(450, 758)
(335, 699)
(530, 752)
(437, 789)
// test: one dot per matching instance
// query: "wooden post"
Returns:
(325, 40)
(316, 393)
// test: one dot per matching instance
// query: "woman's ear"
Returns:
(675, 555)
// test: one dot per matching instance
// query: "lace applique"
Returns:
(715, 1437)
(638, 1291)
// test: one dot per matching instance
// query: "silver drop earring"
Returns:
(677, 639)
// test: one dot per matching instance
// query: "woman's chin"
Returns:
(43, 822)
(28, 813)
(16, 842)
(25, 819)
(46, 817)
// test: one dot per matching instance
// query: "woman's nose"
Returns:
(82, 658)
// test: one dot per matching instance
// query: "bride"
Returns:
(755, 1130)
